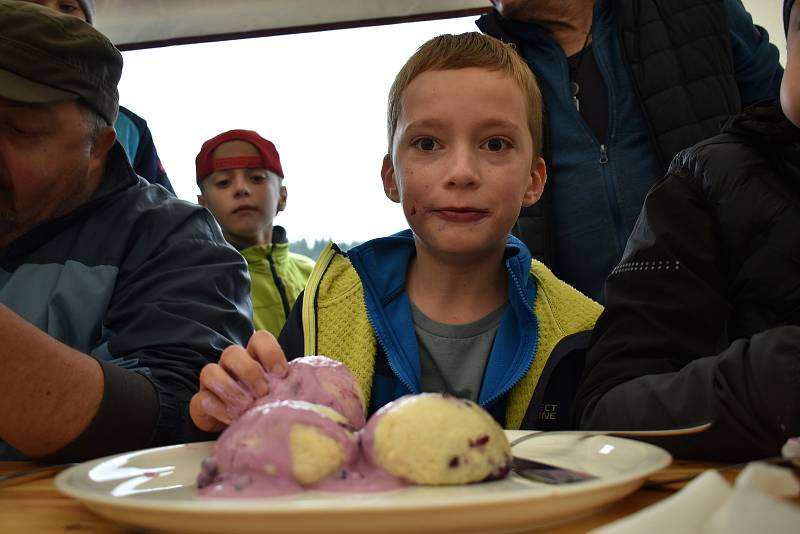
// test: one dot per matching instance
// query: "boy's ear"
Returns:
(201, 200)
(389, 181)
(536, 185)
(281, 199)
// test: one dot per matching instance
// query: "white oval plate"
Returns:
(155, 489)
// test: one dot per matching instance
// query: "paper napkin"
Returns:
(709, 505)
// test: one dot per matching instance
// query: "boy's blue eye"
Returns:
(258, 178)
(426, 143)
(496, 144)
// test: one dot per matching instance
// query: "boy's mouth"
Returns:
(245, 209)
(461, 214)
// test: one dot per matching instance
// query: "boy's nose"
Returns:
(242, 188)
(462, 169)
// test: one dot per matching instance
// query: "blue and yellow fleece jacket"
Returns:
(355, 309)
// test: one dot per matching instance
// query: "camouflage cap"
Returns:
(49, 57)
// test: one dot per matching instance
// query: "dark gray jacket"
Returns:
(144, 283)
(674, 69)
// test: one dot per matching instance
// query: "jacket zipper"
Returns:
(383, 347)
(611, 193)
(279, 285)
(310, 299)
(521, 295)
(380, 340)
(608, 185)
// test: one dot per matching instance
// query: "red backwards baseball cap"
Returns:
(268, 157)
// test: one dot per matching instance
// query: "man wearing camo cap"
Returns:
(132, 131)
(113, 294)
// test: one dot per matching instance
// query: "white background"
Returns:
(320, 97)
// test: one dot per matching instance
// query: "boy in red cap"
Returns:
(241, 182)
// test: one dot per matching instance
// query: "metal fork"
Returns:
(550, 474)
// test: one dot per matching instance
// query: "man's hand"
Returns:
(228, 388)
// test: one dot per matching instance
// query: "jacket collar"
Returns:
(278, 249)
(118, 175)
(765, 126)
(382, 265)
(511, 31)
(517, 32)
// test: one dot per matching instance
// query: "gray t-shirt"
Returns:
(453, 357)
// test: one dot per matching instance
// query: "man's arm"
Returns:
(49, 392)
(660, 355)
(756, 61)
(751, 392)
(181, 297)
(173, 311)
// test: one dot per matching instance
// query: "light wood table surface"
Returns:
(35, 506)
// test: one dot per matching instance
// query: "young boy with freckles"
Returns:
(455, 304)
(240, 178)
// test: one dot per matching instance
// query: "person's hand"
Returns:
(228, 388)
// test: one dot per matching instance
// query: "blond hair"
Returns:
(472, 49)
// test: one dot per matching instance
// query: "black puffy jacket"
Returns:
(702, 319)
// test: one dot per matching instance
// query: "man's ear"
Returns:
(282, 195)
(102, 144)
(389, 180)
(536, 185)
(104, 141)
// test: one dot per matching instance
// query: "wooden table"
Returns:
(36, 507)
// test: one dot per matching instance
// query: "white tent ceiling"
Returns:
(134, 24)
